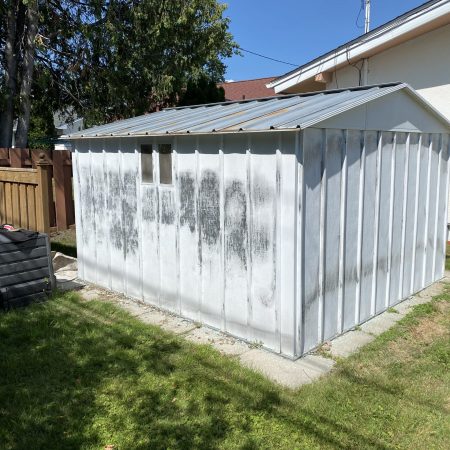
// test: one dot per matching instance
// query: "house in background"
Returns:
(247, 89)
(67, 125)
(413, 48)
(63, 125)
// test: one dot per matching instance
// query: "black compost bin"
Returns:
(26, 271)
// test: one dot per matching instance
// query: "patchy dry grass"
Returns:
(83, 375)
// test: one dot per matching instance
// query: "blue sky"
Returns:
(297, 31)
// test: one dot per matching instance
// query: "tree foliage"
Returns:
(110, 59)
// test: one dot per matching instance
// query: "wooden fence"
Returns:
(36, 189)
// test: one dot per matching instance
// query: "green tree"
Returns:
(107, 59)
(203, 90)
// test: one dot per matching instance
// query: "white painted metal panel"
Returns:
(334, 157)
(352, 224)
(433, 198)
(210, 232)
(411, 214)
(236, 258)
(287, 236)
(263, 207)
(369, 225)
(397, 224)
(384, 222)
(189, 264)
(115, 217)
(422, 211)
(149, 213)
(99, 190)
(87, 236)
(313, 143)
(131, 218)
(77, 183)
(168, 249)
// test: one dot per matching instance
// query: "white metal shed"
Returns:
(284, 220)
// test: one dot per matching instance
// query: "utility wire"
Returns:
(359, 15)
(268, 57)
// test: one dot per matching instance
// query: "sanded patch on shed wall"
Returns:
(282, 238)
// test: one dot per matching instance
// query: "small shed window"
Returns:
(147, 163)
(165, 164)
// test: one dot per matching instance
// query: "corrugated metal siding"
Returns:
(282, 238)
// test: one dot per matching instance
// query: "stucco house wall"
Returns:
(423, 62)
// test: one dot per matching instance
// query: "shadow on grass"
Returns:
(77, 374)
(84, 375)
(67, 249)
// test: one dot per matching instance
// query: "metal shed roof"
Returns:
(272, 113)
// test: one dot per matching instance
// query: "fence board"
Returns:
(24, 197)
(60, 204)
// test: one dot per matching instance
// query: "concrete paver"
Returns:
(381, 323)
(177, 325)
(349, 343)
(220, 341)
(288, 373)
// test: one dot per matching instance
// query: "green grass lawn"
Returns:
(64, 242)
(83, 375)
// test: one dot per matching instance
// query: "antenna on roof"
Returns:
(365, 67)
(367, 20)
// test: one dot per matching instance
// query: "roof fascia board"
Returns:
(364, 45)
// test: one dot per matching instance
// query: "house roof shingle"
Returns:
(247, 89)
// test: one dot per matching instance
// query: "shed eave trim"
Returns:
(187, 133)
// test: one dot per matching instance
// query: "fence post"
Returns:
(42, 197)
(63, 189)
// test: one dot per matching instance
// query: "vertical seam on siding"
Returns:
(416, 218)
(296, 307)
(300, 209)
(199, 239)
(376, 227)
(436, 215)
(139, 218)
(427, 211)
(222, 227)
(277, 243)
(393, 160)
(176, 189)
(404, 216)
(249, 230)
(362, 172)
(322, 234)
